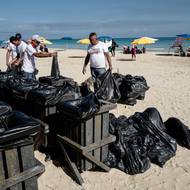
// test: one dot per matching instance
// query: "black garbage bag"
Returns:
(140, 139)
(118, 79)
(106, 87)
(161, 146)
(55, 72)
(72, 87)
(3, 78)
(50, 95)
(129, 152)
(132, 88)
(144, 86)
(179, 131)
(82, 108)
(54, 81)
(84, 89)
(4, 108)
(19, 87)
(18, 126)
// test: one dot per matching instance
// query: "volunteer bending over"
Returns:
(30, 54)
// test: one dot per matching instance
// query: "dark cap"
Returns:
(18, 36)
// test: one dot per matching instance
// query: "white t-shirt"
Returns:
(97, 57)
(17, 49)
(29, 59)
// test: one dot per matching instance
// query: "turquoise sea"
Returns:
(161, 45)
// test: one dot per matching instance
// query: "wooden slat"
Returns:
(81, 149)
(97, 135)
(2, 172)
(12, 161)
(82, 130)
(87, 148)
(71, 143)
(97, 162)
(72, 166)
(98, 144)
(28, 161)
(88, 140)
(12, 181)
(105, 133)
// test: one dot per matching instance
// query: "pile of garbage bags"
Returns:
(143, 139)
(132, 88)
(19, 87)
(50, 95)
(119, 88)
(54, 81)
(4, 76)
(81, 108)
(15, 125)
(106, 87)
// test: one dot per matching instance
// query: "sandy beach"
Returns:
(169, 81)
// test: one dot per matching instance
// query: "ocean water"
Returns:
(162, 45)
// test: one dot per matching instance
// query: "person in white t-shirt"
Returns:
(15, 52)
(98, 56)
(29, 61)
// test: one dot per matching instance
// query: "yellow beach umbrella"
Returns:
(144, 41)
(84, 41)
(44, 41)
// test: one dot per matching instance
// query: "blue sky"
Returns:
(77, 18)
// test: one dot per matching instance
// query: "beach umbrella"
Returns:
(185, 36)
(144, 41)
(84, 41)
(104, 38)
(45, 41)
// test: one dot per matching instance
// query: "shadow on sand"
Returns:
(164, 54)
(125, 60)
(76, 57)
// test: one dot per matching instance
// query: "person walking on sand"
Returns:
(98, 55)
(133, 52)
(113, 46)
(29, 62)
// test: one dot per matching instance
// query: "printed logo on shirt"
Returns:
(94, 50)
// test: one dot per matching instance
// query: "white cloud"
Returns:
(3, 19)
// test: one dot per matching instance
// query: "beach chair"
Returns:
(177, 52)
(188, 52)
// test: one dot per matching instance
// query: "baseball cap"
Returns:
(36, 37)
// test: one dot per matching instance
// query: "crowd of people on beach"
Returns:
(21, 55)
(133, 50)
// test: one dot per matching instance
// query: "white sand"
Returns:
(169, 81)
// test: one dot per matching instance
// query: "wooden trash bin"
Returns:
(18, 167)
(86, 141)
